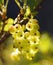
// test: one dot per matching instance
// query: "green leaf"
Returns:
(1, 1)
(33, 3)
(34, 13)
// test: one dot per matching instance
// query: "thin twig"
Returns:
(6, 3)
(17, 2)
(4, 37)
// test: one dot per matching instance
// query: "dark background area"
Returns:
(45, 15)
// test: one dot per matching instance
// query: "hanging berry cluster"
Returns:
(25, 32)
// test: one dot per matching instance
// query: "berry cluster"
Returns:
(25, 36)
(24, 30)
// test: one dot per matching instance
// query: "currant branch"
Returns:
(18, 3)
(3, 18)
